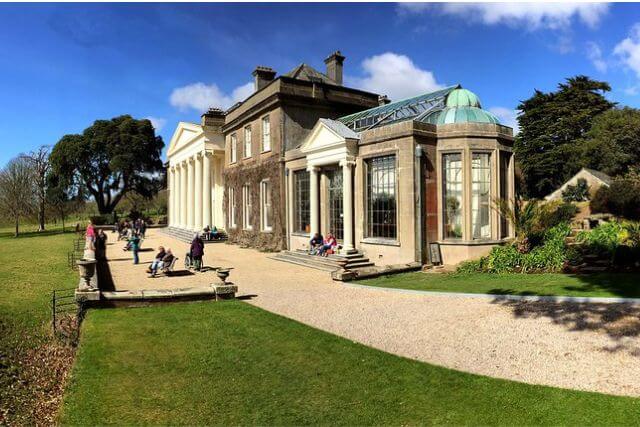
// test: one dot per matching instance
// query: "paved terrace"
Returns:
(593, 347)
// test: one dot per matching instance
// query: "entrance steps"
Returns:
(185, 235)
(329, 263)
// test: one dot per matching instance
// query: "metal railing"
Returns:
(63, 301)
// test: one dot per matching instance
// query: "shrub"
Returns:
(550, 256)
(100, 219)
(556, 213)
(576, 193)
(603, 239)
(621, 199)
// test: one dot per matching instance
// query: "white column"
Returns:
(183, 195)
(314, 202)
(170, 188)
(206, 191)
(198, 193)
(190, 194)
(347, 204)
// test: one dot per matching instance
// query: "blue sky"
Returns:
(63, 66)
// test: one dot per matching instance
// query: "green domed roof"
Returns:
(463, 98)
(463, 114)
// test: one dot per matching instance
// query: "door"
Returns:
(336, 219)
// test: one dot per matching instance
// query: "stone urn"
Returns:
(86, 268)
(223, 273)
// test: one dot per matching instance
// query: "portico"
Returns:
(196, 159)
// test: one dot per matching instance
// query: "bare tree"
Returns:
(39, 161)
(17, 190)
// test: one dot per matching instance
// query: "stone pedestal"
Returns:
(225, 291)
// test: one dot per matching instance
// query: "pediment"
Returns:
(184, 134)
(323, 137)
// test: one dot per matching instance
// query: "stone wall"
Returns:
(236, 178)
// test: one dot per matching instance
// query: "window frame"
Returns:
(233, 143)
(462, 213)
(489, 154)
(368, 188)
(232, 208)
(247, 205)
(248, 149)
(298, 195)
(263, 148)
(266, 223)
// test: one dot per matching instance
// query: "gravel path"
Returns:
(593, 347)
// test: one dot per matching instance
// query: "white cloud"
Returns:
(200, 96)
(594, 53)
(628, 50)
(157, 122)
(507, 117)
(632, 90)
(394, 75)
(532, 15)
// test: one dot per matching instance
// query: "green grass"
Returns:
(232, 363)
(31, 266)
(552, 284)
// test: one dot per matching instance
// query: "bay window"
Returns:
(480, 195)
(381, 197)
(452, 195)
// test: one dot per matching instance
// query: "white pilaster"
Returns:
(190, 194)
(347, 204)
(197, 206)
(183, 195)
(206, 191)
(170, 184)
(314, 202)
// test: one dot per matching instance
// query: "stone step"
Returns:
(186, 236)
(304, 263)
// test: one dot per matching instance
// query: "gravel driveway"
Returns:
(593, 347)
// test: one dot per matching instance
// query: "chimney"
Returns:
(334, 66)
(383, 100)
(214, 118)
(262, 76)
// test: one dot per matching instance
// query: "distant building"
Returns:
(594, 178)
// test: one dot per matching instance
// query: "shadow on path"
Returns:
(620, 322)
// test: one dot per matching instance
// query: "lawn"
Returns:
(32, 363)
(232, 363)
(552, 284)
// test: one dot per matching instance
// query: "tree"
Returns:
(59, 197)
(552, 128)
(576, 193)
(39, 161)
(17, 191)
(110, 159)
(612, 144)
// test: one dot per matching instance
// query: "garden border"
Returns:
(526, 298)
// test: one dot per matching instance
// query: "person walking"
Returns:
(135, 247)
(197, 251)
(101, 245)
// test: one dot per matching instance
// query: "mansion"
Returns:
(406, 182)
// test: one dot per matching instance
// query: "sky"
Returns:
(62, 66)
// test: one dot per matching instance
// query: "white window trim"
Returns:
(263, 205)
(232, 208)
(246, 207)
(233, 142)
(247, 141)
(262, 145)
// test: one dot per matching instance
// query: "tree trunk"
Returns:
(63, 223)
(17, 227)
(41, 216)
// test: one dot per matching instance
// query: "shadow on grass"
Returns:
(620, 322)
(28, 234)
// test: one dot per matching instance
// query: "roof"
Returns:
(308, 73)
(463, 98)
(405, 109)
(462, 114)
(600, 175)
(340, 129)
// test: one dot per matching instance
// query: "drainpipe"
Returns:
(417, 189)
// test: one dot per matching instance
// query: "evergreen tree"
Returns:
(552, 127)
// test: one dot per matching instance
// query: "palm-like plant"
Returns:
(524, 218)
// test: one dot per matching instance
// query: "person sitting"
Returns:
(329, 245)
(206, 233)
(197, 251)
(164, 262)
(157, 260)
(315, 244)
